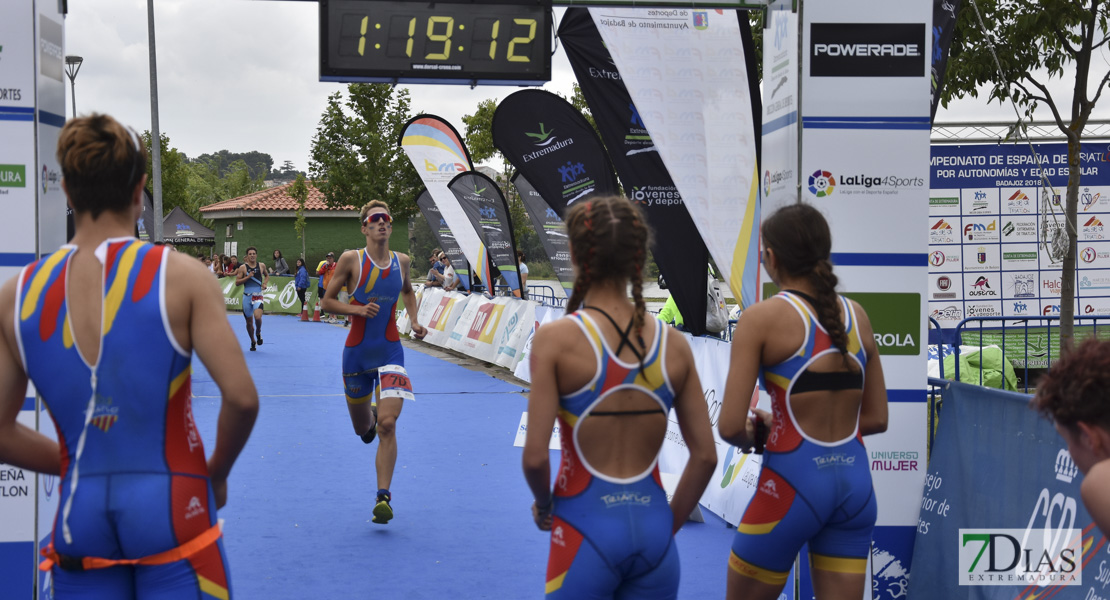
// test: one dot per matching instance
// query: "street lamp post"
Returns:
(73, 65)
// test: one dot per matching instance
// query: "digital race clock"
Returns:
(504, 42)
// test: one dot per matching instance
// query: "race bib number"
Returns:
(394, 383)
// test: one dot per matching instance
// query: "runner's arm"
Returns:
(20, 445)
(265, 275)
(873, 410)
(733, 425)
(241, 275)
(697, 433)
(543, 406)
(216, 347)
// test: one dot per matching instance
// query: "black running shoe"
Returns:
(259, 341)
(252, 347)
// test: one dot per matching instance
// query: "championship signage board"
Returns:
(996, 237)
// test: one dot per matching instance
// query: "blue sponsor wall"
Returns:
(996, 464)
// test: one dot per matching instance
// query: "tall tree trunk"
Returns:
(1067, 269)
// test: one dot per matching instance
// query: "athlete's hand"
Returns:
(542, 517)
(219, 489)
(419, 331)
(369, 310)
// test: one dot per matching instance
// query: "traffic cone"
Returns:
(316, 313)
(304, 312)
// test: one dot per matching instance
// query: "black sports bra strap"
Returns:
(623, 333)
(812, 301)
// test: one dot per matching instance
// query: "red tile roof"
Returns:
(275, 198)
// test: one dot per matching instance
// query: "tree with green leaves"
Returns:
(175, 177)
(299, 191)
(355, 156)
(1015, 48)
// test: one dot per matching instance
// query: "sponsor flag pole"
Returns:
(552, 231)
(485, 206)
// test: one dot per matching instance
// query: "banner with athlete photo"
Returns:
(553, 145)
(438, 154)
(550, 228)
(691, 75)
(446, 239)
(484, 205)
(678, 246)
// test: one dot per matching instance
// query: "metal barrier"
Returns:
(546, 295)
(1038, 338)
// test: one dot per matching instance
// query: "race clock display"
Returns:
(489, 42)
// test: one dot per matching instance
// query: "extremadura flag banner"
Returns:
(550, 228)
(553, 145)
(444, 236)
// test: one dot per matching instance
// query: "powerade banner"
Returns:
(688, 75)
(444, 236)
(550, 228)
(678, 247)
(944, 29)
(1001, 517)
(438, 154)
(488, 212)
(553, 145)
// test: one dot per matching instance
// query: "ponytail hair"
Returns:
(800, 237)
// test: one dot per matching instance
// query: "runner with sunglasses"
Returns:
(373, 359)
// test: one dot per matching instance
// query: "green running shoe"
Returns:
(382, 511)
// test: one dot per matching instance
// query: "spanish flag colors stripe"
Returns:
(38, 282)
(116, 293)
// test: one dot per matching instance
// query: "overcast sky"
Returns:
(242, 75)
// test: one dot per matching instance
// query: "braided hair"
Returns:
(800, 238)
(609, 237)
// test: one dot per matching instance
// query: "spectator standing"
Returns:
(145, 489)
(1074, 396)
(523, 270)
(232, 265)
(280, 266)
(300, 281)
(324, 272)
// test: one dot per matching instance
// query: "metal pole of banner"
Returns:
(155, 136)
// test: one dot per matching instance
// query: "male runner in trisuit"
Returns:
(254, 278)
(373, 357)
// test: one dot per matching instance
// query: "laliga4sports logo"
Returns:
(822, 183)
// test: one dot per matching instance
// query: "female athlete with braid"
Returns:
(816, 356)
(611, 377)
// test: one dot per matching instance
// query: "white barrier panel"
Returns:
(522, 433)
(491, 329)
(542, 316)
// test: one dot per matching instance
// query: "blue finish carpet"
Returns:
(299, 498)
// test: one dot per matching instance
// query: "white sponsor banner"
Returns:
(17, 496)
(51, 105)
(474, 329)
(543, 315)
(438, 312)
(780, 107)
(515, 332)
(685, 71)
(898, 460)
(522, 434)
(866, 58)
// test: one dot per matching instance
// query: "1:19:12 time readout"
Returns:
(401, 37)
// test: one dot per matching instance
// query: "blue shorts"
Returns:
(252, 302)
(613, 541)
(822, 495)
(133, 515)
(361, 365)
